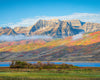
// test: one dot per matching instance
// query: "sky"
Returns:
(26, 12)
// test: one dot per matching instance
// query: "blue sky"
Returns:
(15, 11)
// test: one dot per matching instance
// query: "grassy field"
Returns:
(50, 74)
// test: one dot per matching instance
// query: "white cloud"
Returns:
(22, 37)
(86, 17)
(78, 36)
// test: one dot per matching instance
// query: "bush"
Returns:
(39, 65)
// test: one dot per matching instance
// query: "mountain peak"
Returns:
(7, 31)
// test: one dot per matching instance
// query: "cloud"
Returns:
(22, 37)
(86, 17)
(78, 36)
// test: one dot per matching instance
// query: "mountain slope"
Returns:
(85, 48)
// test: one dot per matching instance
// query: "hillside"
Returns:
(81, 47)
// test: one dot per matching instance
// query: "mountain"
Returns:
(72, 47)
(54, 27)
(7, 31)
(57, 28)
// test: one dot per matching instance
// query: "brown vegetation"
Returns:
(40, 65)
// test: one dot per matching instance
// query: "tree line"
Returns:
(40, 65)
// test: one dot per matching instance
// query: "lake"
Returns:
(79, 64)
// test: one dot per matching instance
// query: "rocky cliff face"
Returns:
(21, 30)
(90, 27)
(74, 23)
(54, 28)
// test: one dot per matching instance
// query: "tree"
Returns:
(12, 64)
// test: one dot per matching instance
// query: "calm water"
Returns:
(80, 64)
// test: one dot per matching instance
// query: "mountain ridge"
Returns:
(55, 28)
